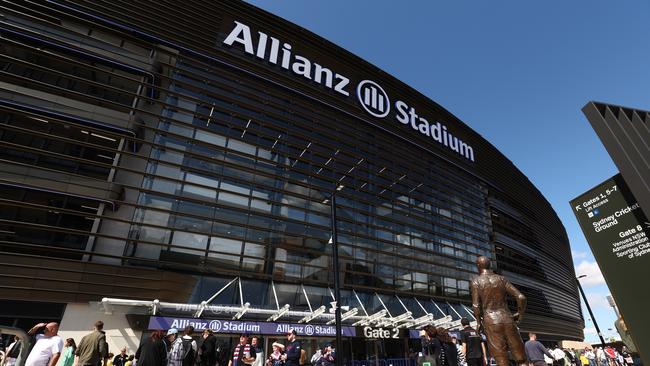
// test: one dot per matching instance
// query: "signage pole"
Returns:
(337, 286)
(582, 292)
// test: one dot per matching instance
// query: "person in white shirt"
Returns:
(48, 346)
(591, 357)
(316, 356)
(13, 351)
(601, 357)
(548, 360)
(259, 351)
(558, 356)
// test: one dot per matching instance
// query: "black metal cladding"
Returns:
(215, 162)
(625, 133)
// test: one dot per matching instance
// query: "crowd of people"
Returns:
(441, 349)
(49, 349)
(161, 348)
(539, 355)
(173, 348)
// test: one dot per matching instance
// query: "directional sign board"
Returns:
(617, 232)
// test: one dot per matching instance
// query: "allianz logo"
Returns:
(373, 98)
(370, 95)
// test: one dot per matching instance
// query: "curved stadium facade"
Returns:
(153, 151)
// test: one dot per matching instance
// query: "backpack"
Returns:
(188, 355)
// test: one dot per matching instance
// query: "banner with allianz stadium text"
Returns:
(251, 327)
(272, 328)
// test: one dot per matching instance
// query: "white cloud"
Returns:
(591, 269)
(578, 254)
(597, 300)
(590, 330)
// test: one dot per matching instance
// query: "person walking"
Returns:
(67, 356)
(170, 337)
(570, 357)
(47, 349)
(182, 349)
(619, 358)
(473, 347)
(535, 351)
(256, 344)
(610, 356)
(431, 346)
(627, 357)
(459, 352)
(293, 348)
(601, 358)
(591, 356)
(13, 351)
(558, 356)
(93, 348)
(174, 348)
(243, 354)
(152, 351)
(329, 357)
(275, 358)
(189, 346)
(315, 358)
(449, 354)
(121, 359)
(208, 349)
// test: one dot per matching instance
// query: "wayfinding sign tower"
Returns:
(617, 231)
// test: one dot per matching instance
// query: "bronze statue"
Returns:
(489, 292)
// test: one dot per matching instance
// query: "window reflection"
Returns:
(191, 243)
(256, 190)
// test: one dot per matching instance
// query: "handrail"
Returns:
(22, 356)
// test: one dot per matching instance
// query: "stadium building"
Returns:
(170, 163)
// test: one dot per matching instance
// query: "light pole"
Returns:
(591, 314)
(335, 264)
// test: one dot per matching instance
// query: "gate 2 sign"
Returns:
(380, 333)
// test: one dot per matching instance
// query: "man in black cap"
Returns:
(291, 357)
(243, 354)
(473, 346)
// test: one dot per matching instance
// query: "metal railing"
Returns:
(25, 339)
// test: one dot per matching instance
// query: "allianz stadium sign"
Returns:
(370, 95)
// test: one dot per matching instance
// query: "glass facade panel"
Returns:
(190, 243)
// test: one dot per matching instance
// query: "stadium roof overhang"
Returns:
(351, 315)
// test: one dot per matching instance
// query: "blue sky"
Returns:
(518, 73)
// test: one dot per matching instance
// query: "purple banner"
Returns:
(238, 326)
(413, 333)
